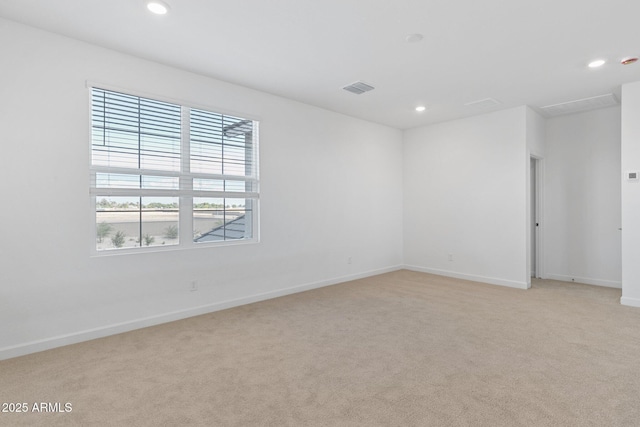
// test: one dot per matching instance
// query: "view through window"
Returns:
(164, 174)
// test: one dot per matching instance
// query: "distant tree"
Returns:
(126, 205)
(207, 205)
(103, 230)
(171, 232)
(158, 205)
(105, 204)
(148, 239)
(118, 239)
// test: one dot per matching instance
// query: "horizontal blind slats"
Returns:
(129, 131)
(142, 136)
(220, 143)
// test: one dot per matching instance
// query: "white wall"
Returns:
(582, 184)
(331, 189)
(536, 134)
(631, 195)
(465, 194)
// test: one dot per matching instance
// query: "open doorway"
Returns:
(536, 217)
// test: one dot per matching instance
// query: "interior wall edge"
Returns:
(585, 280)
(470, 277)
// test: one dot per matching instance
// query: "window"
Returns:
(169, 175)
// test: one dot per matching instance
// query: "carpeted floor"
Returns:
(400, 349)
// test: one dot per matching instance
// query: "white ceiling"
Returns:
(515, 51)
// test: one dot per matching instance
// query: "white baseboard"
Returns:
(585, 280)
(631, 302)
(90, 334)
(474, 278)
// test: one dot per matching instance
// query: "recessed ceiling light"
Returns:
(414, 38)
(158, 7)
(597, 63)
(420, 108)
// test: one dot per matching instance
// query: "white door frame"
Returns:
(538, 234)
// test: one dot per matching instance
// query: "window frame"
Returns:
(185, 192)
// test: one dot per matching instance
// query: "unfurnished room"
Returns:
(336, 213)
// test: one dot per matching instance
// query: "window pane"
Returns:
(159, 221)
(117, 222)
(208, 184)
(117, 149)
(221, 144)
(222, 219)
(128, 222)
(159, 152)
(230, 185)
(160, 182)
(208, 215)
(132, 132)
(237, 186)
(114, 180)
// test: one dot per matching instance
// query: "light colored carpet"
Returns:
(400, 349)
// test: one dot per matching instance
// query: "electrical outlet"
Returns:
(450, 257)
(349, 260)
(194, 286)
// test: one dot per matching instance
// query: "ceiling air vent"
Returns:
(358, 88)
(483, 104)
(580, 105)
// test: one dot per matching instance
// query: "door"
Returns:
(533, 217)
(536, 215)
